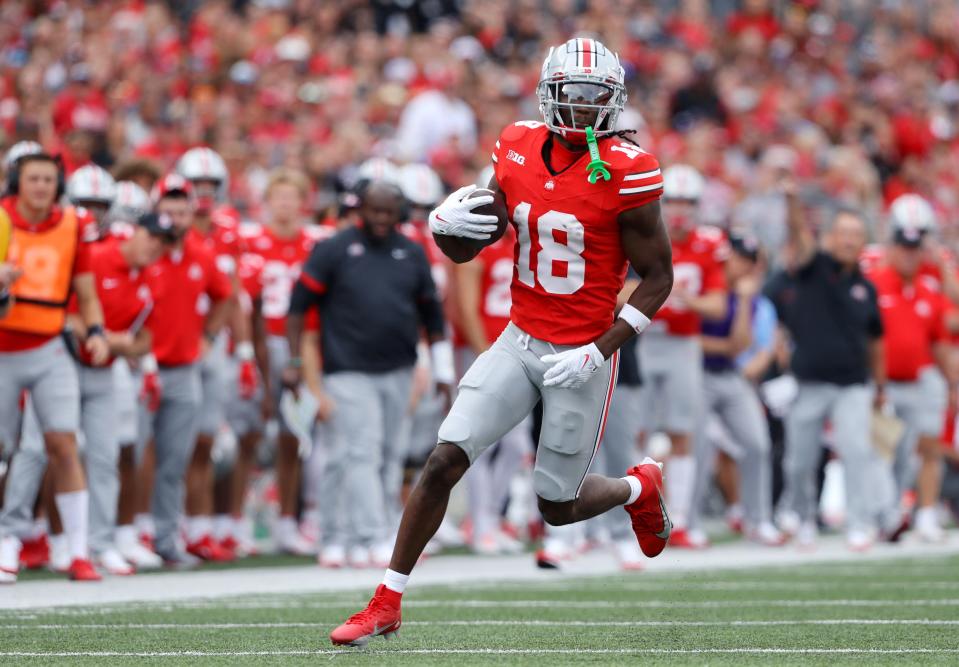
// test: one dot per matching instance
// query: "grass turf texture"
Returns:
(892, 612)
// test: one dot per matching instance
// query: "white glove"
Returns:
(455, 217)
(572, 368)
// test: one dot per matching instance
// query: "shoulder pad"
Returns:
(519, 129)
(710, 234)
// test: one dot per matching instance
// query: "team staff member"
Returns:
(670, 357)
(375, 291)
(47, 245)
(190, 305)
(832, 314)
(916, 341)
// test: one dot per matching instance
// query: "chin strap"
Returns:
(596, 166)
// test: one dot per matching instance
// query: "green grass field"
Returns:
(893, 612)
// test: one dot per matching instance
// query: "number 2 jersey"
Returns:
(570, 264)
(271, 266)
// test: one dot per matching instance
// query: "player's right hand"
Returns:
(152, 391)
(455, 217)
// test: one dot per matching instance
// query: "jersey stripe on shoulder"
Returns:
(641, 176)
(642, 188)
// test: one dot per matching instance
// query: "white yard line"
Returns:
(516, 622)
(482, 651)
(460, 570)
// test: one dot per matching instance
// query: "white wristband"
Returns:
(441, 353)
(149, 364)
(244, 351)
(634, 318)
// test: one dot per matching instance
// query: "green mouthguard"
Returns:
(596, 166)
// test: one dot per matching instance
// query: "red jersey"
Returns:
(495, 303)
(184, 283)
(912, 321)
(123, 291)
(271, 266)
(570, 263)
(697, 269)
(18, 341)
(223, 241)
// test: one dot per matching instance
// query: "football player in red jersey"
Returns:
(274, 255)
(584, 203)
(219, 233)
(671, 354)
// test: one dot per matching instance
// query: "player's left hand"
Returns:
(572, 368)
(98, 348)
(247, 379)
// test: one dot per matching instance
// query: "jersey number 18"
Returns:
(559, 266)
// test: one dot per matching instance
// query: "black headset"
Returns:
(13, 176)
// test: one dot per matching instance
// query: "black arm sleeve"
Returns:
(301, 299)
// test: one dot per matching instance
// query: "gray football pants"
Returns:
(174, 429)
(100, 450)
(367, 437)
(729, 397)
(849, 409)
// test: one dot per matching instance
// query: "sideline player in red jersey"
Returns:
(191, 298)
(671, 356)
(582, 207)
(216, 228)
(274, 255)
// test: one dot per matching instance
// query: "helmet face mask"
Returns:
(582, 85)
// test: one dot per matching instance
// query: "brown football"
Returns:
(461, 249)
(497, 208)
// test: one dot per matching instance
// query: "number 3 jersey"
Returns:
(570, 264)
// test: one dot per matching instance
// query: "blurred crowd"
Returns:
(782, 110)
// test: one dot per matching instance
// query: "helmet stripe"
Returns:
(587, 52)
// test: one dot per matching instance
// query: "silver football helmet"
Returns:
(581, 74)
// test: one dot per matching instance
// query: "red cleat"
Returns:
(35, 554)
(82, 570)
(648, 514)
(209, 550)
(381, 617)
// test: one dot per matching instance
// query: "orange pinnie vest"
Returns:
(42, 292)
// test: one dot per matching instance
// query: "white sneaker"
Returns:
(767, 534)
(358, 557)
(698, 538)
(449, 535)
(140, 557)
(114, 563)
(333, 555)
(59, 553)
(381, 554)
(295, 544)
(9, 559)
(507, 544)
(132, 551)
(789, 522)
(927, 525)
(859, 540)
(807, 535)
(629, 555)
(486, 545)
